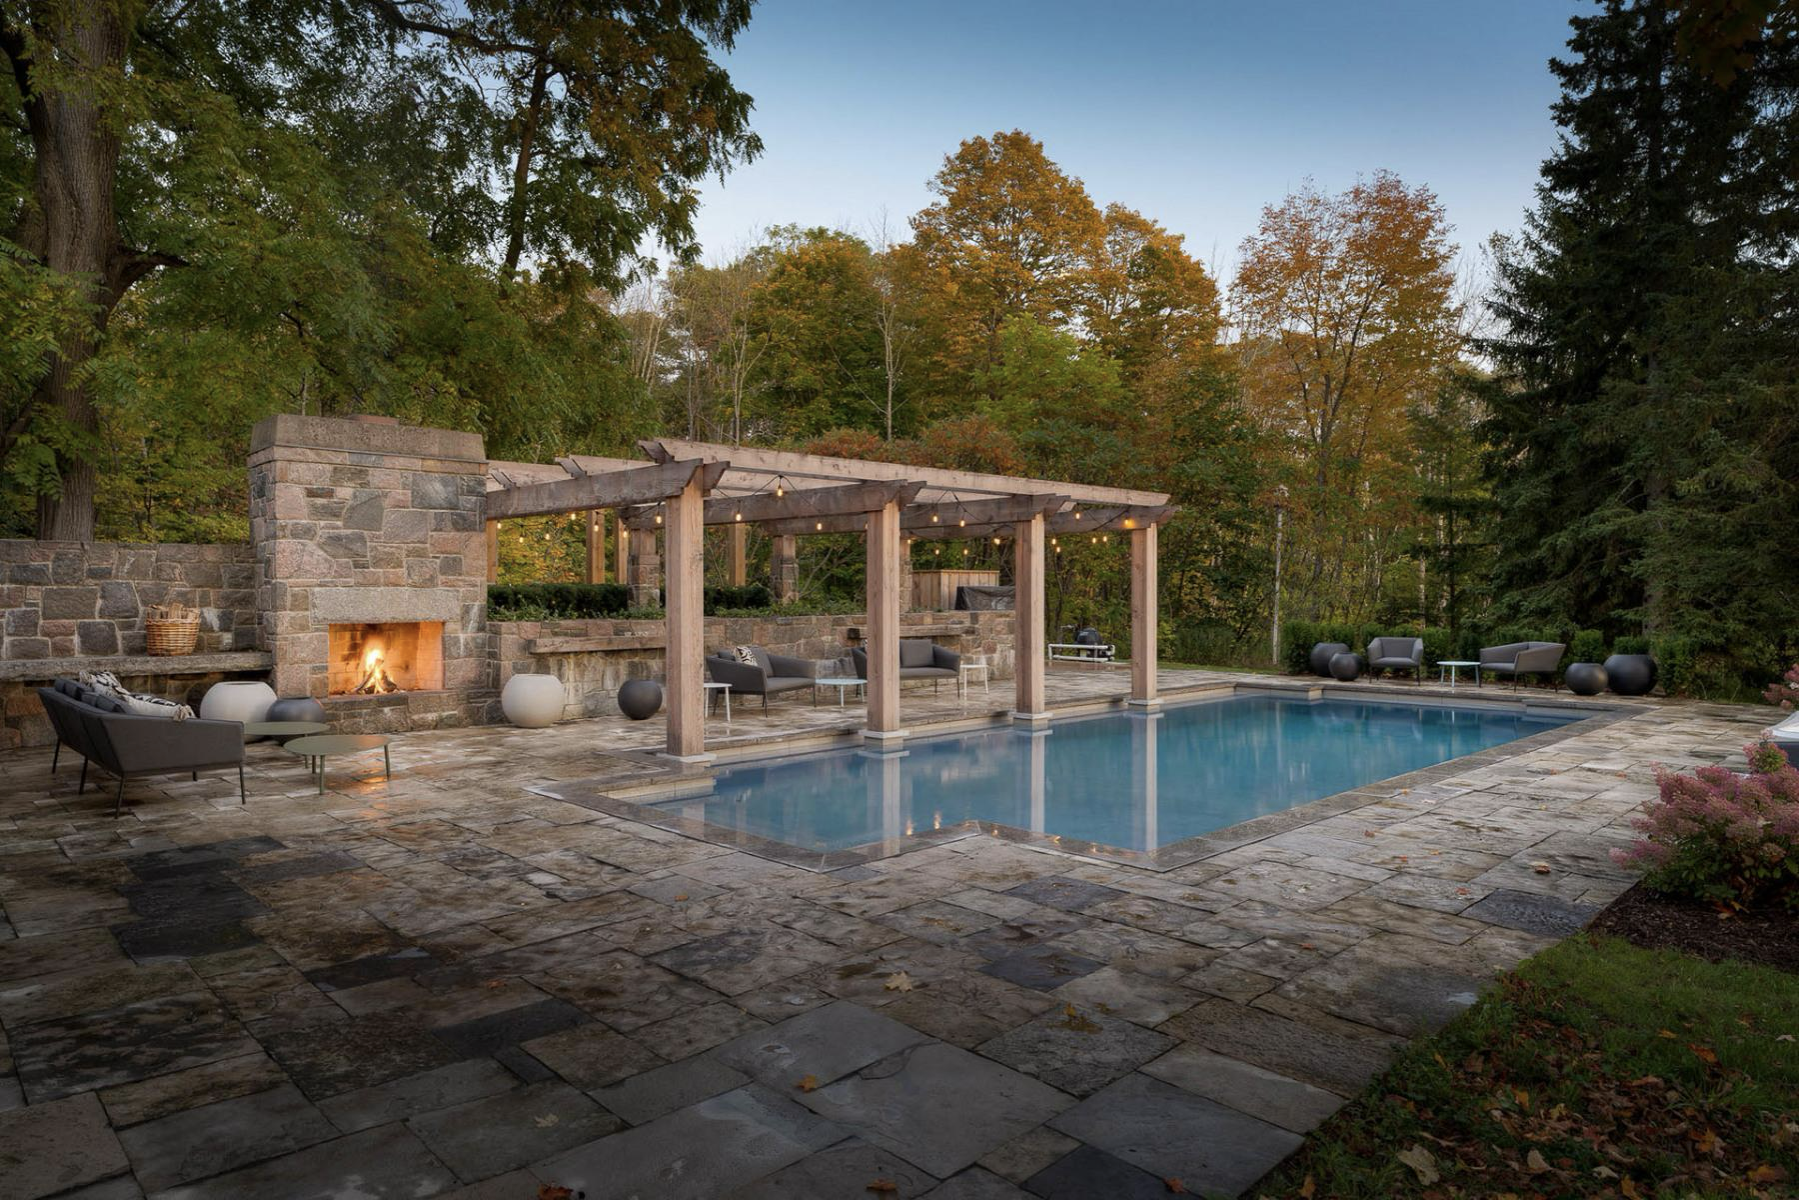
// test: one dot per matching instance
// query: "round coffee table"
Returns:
(841, 682)
(316, 748)
(283, 730)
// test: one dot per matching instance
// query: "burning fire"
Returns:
(375, 679)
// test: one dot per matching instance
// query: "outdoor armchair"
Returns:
(919, 658)
(127, 745)
(1397, 654)
(1521, 658)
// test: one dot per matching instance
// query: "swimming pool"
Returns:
(1126, 780)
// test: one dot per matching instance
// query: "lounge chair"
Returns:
(1397, 654)
(1521, 658)
(97, 727)
(769, 675)
(919, 658)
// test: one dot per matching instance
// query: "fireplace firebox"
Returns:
(371, 658)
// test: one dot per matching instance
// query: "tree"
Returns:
(1644, 415)
(1009, 235)
(145, 138)
(1151, 303)
(1346, 310)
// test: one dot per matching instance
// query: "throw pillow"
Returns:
(155, 706)
(102, 681)
(745, 655)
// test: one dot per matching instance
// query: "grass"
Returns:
(1596, 1069)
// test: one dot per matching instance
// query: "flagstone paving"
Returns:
(450, 984)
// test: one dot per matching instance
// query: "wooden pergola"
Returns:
(686, 486)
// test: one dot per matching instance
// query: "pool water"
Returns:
(1122, 779)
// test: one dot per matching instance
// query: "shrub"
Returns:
(555, 601)
(1588, 645)
(1785, 690)
(1631, 644)
(1724, 838)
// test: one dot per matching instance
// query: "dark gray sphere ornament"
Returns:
(1630, 674)
(297, 708)
(640, 699)
(1585, 679)
(1320, 659)
(1345, 667)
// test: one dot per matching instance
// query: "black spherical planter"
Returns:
(640, 699)
(1320, 660)
(1630, 674)
(1345, 667)
(1585, 679)
(298, 708)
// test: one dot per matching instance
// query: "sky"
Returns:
(1196, 114)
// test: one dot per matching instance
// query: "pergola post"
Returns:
(621, 538)
(645, 569)
(736, 555)
(596, 546)
(784, 566)
(1027, 610)
(685, 617)
(493, 552)
(882, 645)
(1143, 617)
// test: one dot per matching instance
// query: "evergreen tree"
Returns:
(1644, 414)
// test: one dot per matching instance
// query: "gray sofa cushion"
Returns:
(915, 652)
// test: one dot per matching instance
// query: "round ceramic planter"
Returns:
(640, 699)
(1322, 653)
(296, 708)
(1630, 674)
(237, 700)
(1345, 667)
(1585, 679)
(532, 701)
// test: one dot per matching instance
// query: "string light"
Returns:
(996, 541)
(933, 516)
(965, 552)
(936, 549)
(1077, 514)
(819, 525)
(738, 515)
(658, 518)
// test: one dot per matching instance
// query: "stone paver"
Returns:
(447, 970)
(846, 1169)
(1174, 1134)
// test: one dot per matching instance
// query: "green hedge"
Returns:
(554, 601)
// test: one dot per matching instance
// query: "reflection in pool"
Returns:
(1128, 780)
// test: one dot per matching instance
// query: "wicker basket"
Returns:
(171, 629)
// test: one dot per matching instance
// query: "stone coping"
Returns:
(635, 799)
(137, 664)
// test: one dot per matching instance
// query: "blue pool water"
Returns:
(1121, 779)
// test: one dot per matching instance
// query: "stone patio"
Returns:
(452, 984)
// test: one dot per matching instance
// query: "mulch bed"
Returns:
(1769, 938)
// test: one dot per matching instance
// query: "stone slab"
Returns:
(1174, 1134)
(507, 1130)
(1076, 1050)
(1549, 916)
(938, 1106)
(591, 1055)
(388, 1163)
(1250, 1089)
(642, 1098)
(220, 1136)
(1089, 1173)
(846, 1169)
(411, 1095)
(161, 1095)
(49, 1148)
(134, 1041)
(826, 1043)
(697, 1152)
(1044, 967)
(328, 1058)
(1333, 1061)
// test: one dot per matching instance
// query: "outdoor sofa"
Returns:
(1521, 658)
(919, 658)
(769, 675)
(1397, 654)
(98, 728)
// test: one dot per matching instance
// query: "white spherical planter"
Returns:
(237, 700)
(532, 701)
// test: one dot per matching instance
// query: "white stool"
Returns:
(968, 667)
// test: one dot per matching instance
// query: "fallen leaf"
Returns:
(1072, 1019)
(808, 1084)
(1704, 1054)
(899, 981)
(1308, 1189)
(1704, 1141)
(1604, 1172)
(1421, 1162)
(1522, 1097)
(682, 896)
(1785, 1037)
(554, 1191)
(1174, 1185)
(1666, 1033)
(1628, 1190)
(1309, 946)
(547, 1120)
(1541, 868)
(1534, 1163)
(1368, 833)
(883, 1186)
(1767, 1173)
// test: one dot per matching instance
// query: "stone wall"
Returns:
(64, 599)
(592, 677)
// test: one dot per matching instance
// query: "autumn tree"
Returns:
(1010, 234)
(1150, 302)
(1345, 307)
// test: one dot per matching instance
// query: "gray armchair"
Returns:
(1397, 654)
(1521, 658)
(127, 745)
(770, 675)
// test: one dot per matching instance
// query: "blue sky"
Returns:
(1196, 114)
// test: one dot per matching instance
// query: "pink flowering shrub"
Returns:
(1785, 690)
(1722, 837)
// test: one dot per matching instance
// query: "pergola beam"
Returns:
(1090, 520)
(799, 506)
(614, 489)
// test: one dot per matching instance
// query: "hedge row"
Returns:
(563, 601)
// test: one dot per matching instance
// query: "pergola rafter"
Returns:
(689, 485)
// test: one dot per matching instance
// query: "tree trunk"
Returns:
(74, 232)
(521, 171)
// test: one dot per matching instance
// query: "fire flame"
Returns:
(375, 679)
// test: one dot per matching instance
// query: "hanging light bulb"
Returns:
(965, 552)
(933, 516)
(819, 525)
(738, 515)
(996, 541)
(1077, 514)
(1095, 541)
(779, 489)
(936, 549)
(1129, 523)
(658, 518)
(961, 522)
(499, 524)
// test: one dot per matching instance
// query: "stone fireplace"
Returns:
(371, 559)
(374, 658)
